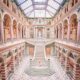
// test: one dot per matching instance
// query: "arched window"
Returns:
(7, 27)
(65, 24)
(8, 3)
(73, 27)
(76, 1)
(4, 1)
(15, 29)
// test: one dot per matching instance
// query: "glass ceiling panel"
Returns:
(28, 10)
(59, 1)
(56, 5)
(31, 14)
(26, 4)
(48, 15)
(40, 13)
(39, 0)
(51, 10)
(39, 8)
(20, 1)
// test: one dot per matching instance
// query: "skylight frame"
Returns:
(44, 3)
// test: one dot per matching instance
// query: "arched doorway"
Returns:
(65, 24)
(15, 29)
(19, 31)
(31, 33)
(23, 32)
(48, 51)
(48, 33)
(73, 27)
(7, 27)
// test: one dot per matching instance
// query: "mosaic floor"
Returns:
(58, 74)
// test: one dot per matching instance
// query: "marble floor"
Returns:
(58, 72)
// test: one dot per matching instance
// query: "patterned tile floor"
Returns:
(20, 74)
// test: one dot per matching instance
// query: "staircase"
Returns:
(39, 65)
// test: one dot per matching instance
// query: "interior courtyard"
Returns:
(39, 39)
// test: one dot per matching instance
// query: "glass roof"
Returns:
(40, 8)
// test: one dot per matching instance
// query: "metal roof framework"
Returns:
(40, 8)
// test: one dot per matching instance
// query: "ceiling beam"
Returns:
(57, 2)
(27, 7)
(50, 11)
(22, 2)
(47, 3)
(52, 7)
(39, 8)
(37, 3)
(33, 4)
(29, 11)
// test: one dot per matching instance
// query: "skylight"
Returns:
(40, 8)
(26, 4)
(39, 1)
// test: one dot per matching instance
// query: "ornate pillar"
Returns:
(62, 31)
(76, 72)
(67, 65)
(12, 64)
(11, 28)
(68, 33)
(2, 29)
(4, 71)
(17, 30)
(1, 36)
(78, 30)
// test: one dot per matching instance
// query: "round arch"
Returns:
(7, 27)
(73, 27)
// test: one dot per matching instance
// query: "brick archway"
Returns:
(7, 27)
(73, 27)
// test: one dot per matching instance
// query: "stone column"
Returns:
(2, 30)
(62, 31)
(12, 35)
(17, 31)
(68, 33)
(4, 71)
(67, 65)
(12, 64)
(78, 30)
(76, 72)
